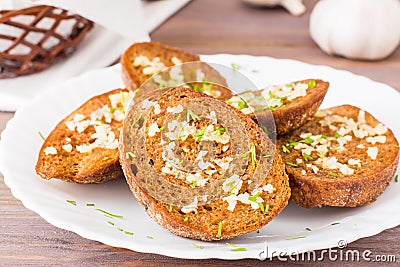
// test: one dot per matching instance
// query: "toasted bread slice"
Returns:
(342, 157)
(201, 168)
(83, 147)
(291, 104)
(142, 64)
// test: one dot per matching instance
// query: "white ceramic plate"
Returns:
(20, 144)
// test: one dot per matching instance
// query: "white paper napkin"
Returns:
(119, 23)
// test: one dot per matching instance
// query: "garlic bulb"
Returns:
(295, 7)
(357, 29)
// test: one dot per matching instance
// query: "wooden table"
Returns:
(206, 27)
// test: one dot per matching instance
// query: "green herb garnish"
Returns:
(190, 115)
(197, 246)
(297, 237)
(312, 83)
(264, 209)
(149, 237)
(396, 146)
(321, 155)
(111, 223)
(220, 228)
(253, 198)
(120, 229)
(105, 158)
(235, 248)
(128, 233)
(162, 128)
(252, 151)
(110, 214)
(41, 136)
(138, 119)
(219, 131)
(271, 95)
(129, 154)
(292, 143)
(267, 156)
(170, 208)
(308, 140)
(335, 148)
(186, 219)
(112, 110)
(335, 223)
(292, 164)
(90, 204)
(308, 229)
(194, 183)
(336, 135)
(396, 178)
(264, 128)
(72, 202)
(285, 149)
(197, 136)
(333, 174)
(306, 157)
(242, 104)
(236, 66)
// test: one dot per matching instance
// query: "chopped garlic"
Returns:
(176, 61)
(376, 139)
(175, 110)
(191, 207)
(153, 129)
(67, 147)
(354, 162)
(372, 152)
(50, 150)
(346, 170)
(268, 188)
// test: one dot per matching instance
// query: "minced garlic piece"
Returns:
(104, 138)
(176, 61)
(151, 67)
(268, 188)
(191, 207)
(372, 152)
(67, 147)
(376, 139)
(153, 129)
(346, 170)
(50, 150)
(354, 162)
(175, 110)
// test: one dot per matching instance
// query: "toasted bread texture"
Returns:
(343, 157)
(291, 105)
(144, 67)
(83, 147)
(234, 136)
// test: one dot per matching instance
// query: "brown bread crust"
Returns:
(295, 113)
(203, 225)
(362, 187)
(133, 76)
(80, 167)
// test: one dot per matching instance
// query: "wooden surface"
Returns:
(206, 27)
